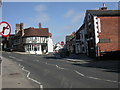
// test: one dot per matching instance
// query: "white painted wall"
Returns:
(50, 45)
(32, 51)
(97, 30)
(39, 40)
(58, 47)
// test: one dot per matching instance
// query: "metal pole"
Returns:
(0, 47)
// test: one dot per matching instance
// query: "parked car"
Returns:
(8, 49)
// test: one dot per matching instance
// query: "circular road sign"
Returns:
(5, 29)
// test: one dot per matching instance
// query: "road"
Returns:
(51, 72)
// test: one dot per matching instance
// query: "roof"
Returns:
(104, 12)
(36, 32)
(83, 25)
(68, 38)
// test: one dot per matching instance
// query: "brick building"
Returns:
(102, 31)
(70, 43)
(33, 40)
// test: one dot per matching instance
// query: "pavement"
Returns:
(80, 57)
(13, 76)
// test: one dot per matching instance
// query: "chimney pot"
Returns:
(40, 25)
(103, 7)
(17, 28)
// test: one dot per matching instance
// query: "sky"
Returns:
(62, 18)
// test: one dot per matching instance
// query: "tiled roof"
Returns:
(36, 32)
(68, 38)
(104, 12)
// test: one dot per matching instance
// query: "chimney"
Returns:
(40, 25)
(104, 7)
(17, 28)
(21, 28)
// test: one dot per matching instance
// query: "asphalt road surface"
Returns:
(51, 72)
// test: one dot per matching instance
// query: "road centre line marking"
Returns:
(60, 67)
(79, 73)
(41, 87)
(8, 52)
(83, 74)
(12, 57)
(103, 79)
(20, 60)
(19, 64)
(52, 65)
(90, 76)
(37, 60)
(16, 58)
(96, 77)
(70, 59)
(74, 60)
(57, 66)
(112, 81)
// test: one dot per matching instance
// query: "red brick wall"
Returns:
(109, 30)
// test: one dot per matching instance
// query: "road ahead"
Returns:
(51, 72)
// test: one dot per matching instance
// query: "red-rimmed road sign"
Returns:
(5, 29)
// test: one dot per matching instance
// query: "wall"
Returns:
(90, 36)
(109, 30)
(50, 45)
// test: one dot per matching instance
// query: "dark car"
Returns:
(8, 49)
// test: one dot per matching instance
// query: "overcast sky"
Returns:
(62, 18)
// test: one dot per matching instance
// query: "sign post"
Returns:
(5, 31)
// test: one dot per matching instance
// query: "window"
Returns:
(89, 17)
(104, 41)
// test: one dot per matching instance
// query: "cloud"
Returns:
(117, 5)
(77, 17)
(66, 28)
(42, 17)
(69, 13)
(40, 8)
(73, 16)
